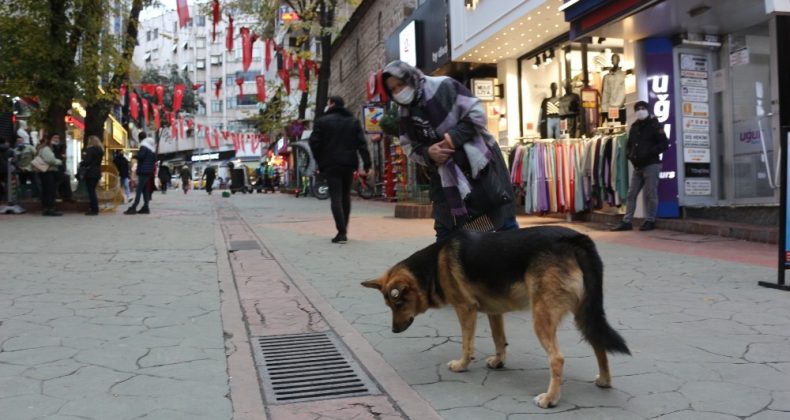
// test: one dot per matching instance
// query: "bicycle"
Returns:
(365, 189)
(316, 184)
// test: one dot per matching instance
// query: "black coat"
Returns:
(146, 160)
(646, 141)
(123, 166)
(164, 173)
(336, 140)
(92, 162)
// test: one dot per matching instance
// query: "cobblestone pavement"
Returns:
(707, 342)
(127, 317)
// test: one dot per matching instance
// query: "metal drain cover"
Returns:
(243, 245)
(306, 367)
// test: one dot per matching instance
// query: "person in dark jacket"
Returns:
(186, 178)
(164, 177)
(646, 142)
(146, 161)
(336, 140)
(443, 128)
(123, 173)
(210, 175)
(91, 162)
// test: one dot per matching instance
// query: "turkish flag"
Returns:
(148, 88)
(180, 126)
(157, 121)
(240, 82)
(217, 87)
(208, 137)
(123, 92)
(197, 86)
(236, 142)
(178, 97)
(247, 42)
(260, 83)
(302, 77)
(229, 36)
(256, 142)
(183, 12)
(286, 80)
(134, 107)
(215, 21)
(268, 52)
(216, 137)
(160, 94)
(290, 64)
(380, 87)
(145, 111)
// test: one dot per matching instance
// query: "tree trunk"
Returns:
(305, 95)
(95, 117)
(56, 119)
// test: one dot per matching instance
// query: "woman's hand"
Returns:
(441, 151)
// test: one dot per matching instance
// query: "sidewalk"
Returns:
(156, 317)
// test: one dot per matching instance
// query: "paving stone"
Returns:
(602, 413)
(781, 401)
(645, 384)
(118, 356)
(12, 387)
(474, 413)
(35, 356)
(654, 405)
(86, 382)
(26, 407)
(696, 415)
(768, 352)
(54, 369)
(446, 395)
(29, 341)
(726, 398)
(770, 415)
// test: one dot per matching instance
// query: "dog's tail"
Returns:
(590, 317)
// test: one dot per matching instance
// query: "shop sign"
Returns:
(483, 89)
(696, 155)
(697, 170)
(371, 115)
(696, 140)
(694, 62)
(695, 109)
(206, 156)
(688, 81)
(613, 113)
(698, 187)
(408, 44)
(748, 138)
(696, 124)
(693, 74)
(739, 58)
(694, 94)
(719, 82)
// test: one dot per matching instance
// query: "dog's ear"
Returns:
(373, 284)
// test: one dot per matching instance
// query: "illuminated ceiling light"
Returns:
(548, 56)
(536, 64)
(529, 17)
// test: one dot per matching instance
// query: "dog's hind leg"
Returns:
(467, 316)
(545, 322)
(497, 322)
(604, 379)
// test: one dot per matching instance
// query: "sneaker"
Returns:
(144, 210)
(130, 210)
(648, 225)
(622, 226)
(339, 239)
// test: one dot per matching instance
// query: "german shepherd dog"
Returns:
(553, 270)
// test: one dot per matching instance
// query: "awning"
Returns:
(588, 15)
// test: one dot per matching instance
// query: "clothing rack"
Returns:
(611, 128)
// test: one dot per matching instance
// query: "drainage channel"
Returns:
(307, 367)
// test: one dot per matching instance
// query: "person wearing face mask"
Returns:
(337, 142)
(646, 142)
(443, 128)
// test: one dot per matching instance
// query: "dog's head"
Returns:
(402, 294)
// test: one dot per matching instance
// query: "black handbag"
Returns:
(491, 189)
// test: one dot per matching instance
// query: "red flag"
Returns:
(190, 124)
(268, 52)
(197, 86)
(229, 36)
(216, 138)
(173, 131)
(145, 111)
(123, 92)
(208, 137)
(302, 77)
(217, 87)
(200, 127)
(236, 142)
(256, 142)
(134, 107)
(178, 97)
(183, 12)
(148, 88)
(380, 86)
(181, 126)
(286, 80)
(157, 121)
(215, 16)
(290, 64)
(240, 82)
(246, 47)
(160, 94)
(260, 83)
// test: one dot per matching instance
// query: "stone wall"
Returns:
(362, 49)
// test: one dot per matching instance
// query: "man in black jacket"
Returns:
(146, 161)
(646, 142)
(336, 140)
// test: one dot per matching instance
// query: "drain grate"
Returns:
(243, 245)
(306, 367)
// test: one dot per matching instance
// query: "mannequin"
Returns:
(550, 115)
(613, 92)
(569, 109)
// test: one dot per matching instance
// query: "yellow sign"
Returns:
(372, 115)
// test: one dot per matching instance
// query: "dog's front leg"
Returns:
(467, 316)
(497, 322)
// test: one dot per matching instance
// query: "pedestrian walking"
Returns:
(122, 164)
(646, 142)
(25, 152)
(337, 143)
(91, 164)
(186, 178)
(6, 167)
(443, 128)
(146, 160)
(209, 174)
(50, 175)
(164, 177)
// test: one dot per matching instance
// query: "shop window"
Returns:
(216, 106)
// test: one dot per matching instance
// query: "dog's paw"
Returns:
(458, 365)
(543, 401)
(494, 362)
(603, 382)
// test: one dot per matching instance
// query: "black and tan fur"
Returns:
(552, 270)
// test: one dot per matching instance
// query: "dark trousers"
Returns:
(49, 185)
(142, 188)
(90, 184)
(339, 183)
(209, 184)
(63, 186)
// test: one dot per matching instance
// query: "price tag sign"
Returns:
(614, 113)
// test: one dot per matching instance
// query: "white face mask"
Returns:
(641, 114)
(326, 108)
(405, 96)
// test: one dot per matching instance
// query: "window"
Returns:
(148, 35)
(247, 99)
(175, 27)
(216, 106)
(156, 33)
(201, 63)
(185, 45)
(186, 67)
(292, 42)
(201, 42)
(216, 60)
(189, 22)
(148, 56)
(175, 48)
(201, 110)
(201, 21)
